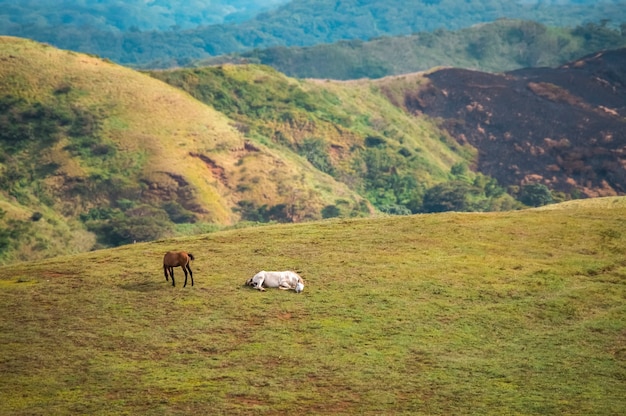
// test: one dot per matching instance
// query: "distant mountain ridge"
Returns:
(306, 23)
(128, 16)
(499, 46)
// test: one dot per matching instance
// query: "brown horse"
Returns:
(175, 259)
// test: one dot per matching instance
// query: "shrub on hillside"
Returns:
(535, 195)
(480, 194)
(13, 232)
(178, 214)
(316, 152)
(330, 211)
(25, 124)
(251, 212)
(142, 223)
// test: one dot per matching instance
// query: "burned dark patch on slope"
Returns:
(563, 127)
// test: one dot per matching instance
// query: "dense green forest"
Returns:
(127, 15)
(495, 47)
(298, 23)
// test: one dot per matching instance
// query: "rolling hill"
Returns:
(517, 312)
(97, 155)
(562, 128)
(86, 141)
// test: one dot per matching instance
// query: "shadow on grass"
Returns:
(147, 286)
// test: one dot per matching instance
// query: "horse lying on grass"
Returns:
(177, 259)
(283, 280)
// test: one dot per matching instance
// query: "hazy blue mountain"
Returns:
(122, 31)
(127, 15)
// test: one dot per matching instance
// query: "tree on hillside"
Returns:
(141, 223)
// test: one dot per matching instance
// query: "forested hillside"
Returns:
(297, 23)
(500, 46)
(124, 16)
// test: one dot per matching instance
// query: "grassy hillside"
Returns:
(120, 121)
(499, 313)
(348, 130)
(89, 145)
(96, 155)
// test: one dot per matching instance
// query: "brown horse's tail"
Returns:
(191, 257)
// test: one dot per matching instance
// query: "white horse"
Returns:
(283, 280)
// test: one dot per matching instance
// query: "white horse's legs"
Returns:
(259, 284)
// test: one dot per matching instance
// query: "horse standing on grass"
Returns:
(177, 259)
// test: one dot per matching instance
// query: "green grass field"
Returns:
(499, 313)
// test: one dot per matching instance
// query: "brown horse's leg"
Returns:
(165, 273)
(172, 275)
(184, 267)
(190, 273)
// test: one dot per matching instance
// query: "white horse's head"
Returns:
(299, 287)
